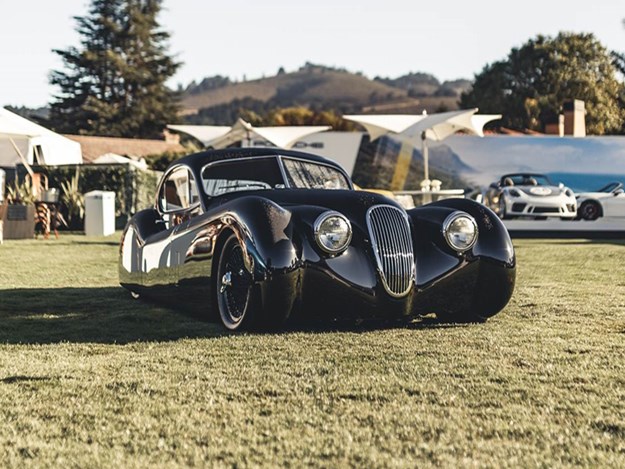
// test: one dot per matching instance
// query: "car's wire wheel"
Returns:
(234, 285)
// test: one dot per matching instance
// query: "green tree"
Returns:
(114, 83)
(530, 86)
(304, 116)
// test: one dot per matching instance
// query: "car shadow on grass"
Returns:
(96, 243)
(369, 325)
(92, 315)
(108, 315)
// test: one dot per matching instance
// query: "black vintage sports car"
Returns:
(256, 236)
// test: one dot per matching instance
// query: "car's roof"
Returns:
(209, 156)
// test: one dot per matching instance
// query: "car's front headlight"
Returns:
(514, 193)
(333, 232)
(568, 193)
(460, 231)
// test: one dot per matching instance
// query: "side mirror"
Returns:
(560, 185)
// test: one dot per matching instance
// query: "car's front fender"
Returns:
(474, 284)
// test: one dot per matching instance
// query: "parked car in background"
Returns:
(530, 195)
(257, 236)
(609, 201)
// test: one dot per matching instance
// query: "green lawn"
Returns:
(89, 377)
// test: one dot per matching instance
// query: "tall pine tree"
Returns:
(114, 84)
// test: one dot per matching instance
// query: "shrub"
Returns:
(134, 189)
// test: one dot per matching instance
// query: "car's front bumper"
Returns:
(542, 208)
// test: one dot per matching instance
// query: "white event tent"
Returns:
(23, 141)
(221, 137)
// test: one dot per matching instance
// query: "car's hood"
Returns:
(347, 202)
(344, 201)
(541, 191)
(309, 203)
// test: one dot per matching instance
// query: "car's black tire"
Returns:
(234, 287)
(590, 210)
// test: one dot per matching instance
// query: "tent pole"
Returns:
(24, 161)
(424, 150)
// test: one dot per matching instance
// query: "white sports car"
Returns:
(530, 195)
(609, 201)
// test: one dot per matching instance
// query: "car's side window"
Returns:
(175, 195)
(178, 193)
(194, 196)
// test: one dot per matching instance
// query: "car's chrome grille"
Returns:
(392, 245)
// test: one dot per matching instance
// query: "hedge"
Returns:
(134, 188)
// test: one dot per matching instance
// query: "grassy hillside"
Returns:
(91, 378)
(320, 87)
(300, 87)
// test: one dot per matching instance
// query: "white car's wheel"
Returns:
(590, 210)
(503, 212)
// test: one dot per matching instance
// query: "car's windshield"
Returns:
(610, 187)
(309, 175)
(264, 173)
(241, 175)
(526, 180)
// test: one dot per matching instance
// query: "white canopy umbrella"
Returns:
(435, 127)
(378, 125)
(242, 131)
(287, 136)
(203, 133)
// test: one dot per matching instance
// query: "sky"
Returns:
(254, 38)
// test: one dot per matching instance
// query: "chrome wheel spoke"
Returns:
(234, 285)
(226, 281)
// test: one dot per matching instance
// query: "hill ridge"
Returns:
(320, 87)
